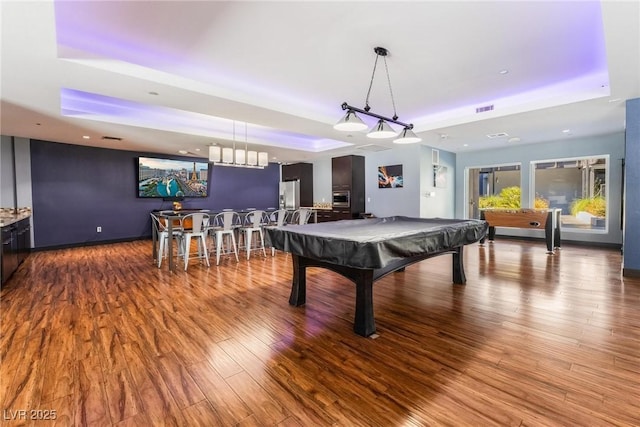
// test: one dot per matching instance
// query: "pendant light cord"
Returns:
(393, 101)
(234, 139)
(366, 102)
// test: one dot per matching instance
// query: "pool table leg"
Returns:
(364, 324)
(458, 267)
(298, 295)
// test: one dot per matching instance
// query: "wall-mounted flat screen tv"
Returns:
(171, 178)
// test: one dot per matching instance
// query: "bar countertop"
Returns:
(11, 216)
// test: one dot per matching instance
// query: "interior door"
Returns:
(474, 193)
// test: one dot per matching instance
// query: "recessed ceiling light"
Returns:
(497, 135)
(514, 139)
(465, 145)
(86, 137)
(182, 151)
(197, 149)
(505, 71)
(566, 131)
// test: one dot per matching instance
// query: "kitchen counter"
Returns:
(15, 232)
(317, 208)
(7, 218)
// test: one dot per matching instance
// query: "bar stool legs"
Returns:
(220, 246)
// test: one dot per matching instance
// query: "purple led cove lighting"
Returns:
(90, 29)
(87, 26)
(92, 106)
(581, 89)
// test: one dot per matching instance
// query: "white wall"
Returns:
(15, 182)
(7, 176)
(22, 149)
(394, 201)
(322, 181)
(437, 202)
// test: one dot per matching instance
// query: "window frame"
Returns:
(607, 171)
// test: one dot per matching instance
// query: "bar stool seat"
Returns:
(198, 230)
(223, 234)
(277, 219)
(162, 235)
(253, 223)
(301, 216)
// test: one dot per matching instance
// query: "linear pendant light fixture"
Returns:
(239, 157)
(352, 123)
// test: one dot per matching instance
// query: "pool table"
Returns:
(365, 250)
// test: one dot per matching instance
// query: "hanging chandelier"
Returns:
(239, 157)
(382, 129)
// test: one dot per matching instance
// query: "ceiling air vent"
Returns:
(372, 147)
(112, 138)
(497, 135)
(484, 108)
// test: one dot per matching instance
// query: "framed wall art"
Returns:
(390, 176)
(440, 176)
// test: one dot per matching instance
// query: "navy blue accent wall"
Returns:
(241, 188)
(76, 189)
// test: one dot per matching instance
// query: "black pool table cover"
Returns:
(374, 243)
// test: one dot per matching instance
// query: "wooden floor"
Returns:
(99, 336)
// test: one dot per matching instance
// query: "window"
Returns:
(578, 186)
(488, 181)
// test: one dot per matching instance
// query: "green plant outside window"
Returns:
(509, 198)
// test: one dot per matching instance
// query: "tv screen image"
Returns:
(171, 178)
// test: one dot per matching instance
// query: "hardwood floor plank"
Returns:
(111, 354)
(182, 387)
(60, 368)
(228, 406)
(224, 364)
(91, 402)
(256, 359)
(201, 414)
(64, 408)
(122, 396)
(261, 403)
(25, 390)
(155, 396)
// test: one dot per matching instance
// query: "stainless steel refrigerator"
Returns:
(290, 195)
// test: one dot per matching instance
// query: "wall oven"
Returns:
(341, 199)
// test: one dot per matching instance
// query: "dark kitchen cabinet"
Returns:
(16, 245)
(341, 173)
(324, 215)
(338, 214)
(24, 239)
(347, 174)
(9, 251)
(302, 172)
